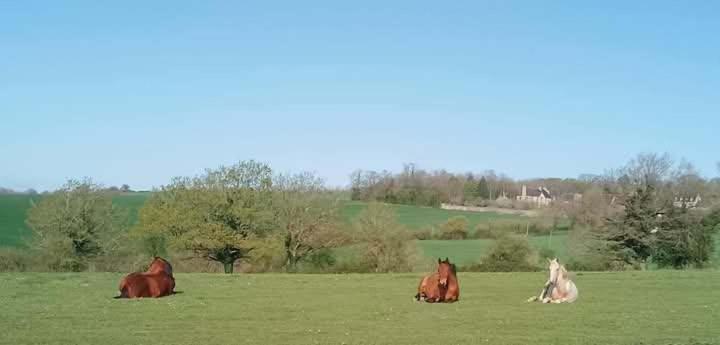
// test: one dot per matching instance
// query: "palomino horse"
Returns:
(559, 288)
(441, 286)
(157, 281)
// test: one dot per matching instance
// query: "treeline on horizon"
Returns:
(247, 216)
(415, 186)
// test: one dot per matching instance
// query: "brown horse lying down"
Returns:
(157, 281)
(441, 286)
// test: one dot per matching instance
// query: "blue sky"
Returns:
(138, 92)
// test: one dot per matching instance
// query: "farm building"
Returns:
(689, 202)
(539, 196)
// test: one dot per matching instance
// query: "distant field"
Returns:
(651, 307)
(13, 211)
(416, 217)
(466, 252)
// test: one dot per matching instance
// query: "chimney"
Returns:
(524, 191)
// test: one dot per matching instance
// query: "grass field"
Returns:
(13, 210)
(465, 252)
(658, 307)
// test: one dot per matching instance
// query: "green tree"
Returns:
(456, 228)
(470, 188)
(685, 238)
(483, 190)
(76, 223)
(307, 216)
(630, 235)
(220, 215)
(509, 253)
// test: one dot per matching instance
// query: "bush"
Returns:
(489, 231)
(483, 231)
(14, 260)
(546, 253)
(503, 203)
(424, 234)
(385, 245)
(521, 205)
(508, 254)
(454, 229)
(322, 259)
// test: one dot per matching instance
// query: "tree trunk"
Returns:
(229, 266)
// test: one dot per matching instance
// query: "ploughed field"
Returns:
(652, 307)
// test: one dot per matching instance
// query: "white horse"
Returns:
(559, 288)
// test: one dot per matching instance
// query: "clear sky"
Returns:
(139, 91)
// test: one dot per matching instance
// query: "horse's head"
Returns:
(160, 265)
(556, 270)
(445, 270)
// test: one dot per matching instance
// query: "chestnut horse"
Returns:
(157, 281)
(440, 287)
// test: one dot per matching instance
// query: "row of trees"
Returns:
(245, 211)
(415, 186)
(224, 215)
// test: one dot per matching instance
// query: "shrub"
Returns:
(503, 203)
(521, 205)
(546, 253)
(508, 254)
(454, 229)
(424, 234)
(14, 260)
(483, 231)
(322, 259)
(385, 245)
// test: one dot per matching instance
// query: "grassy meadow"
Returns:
(651, 307)
(465, 252)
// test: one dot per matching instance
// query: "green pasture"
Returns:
(465, 252)
(651, 307)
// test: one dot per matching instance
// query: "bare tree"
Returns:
(307, 216)
(649, 169)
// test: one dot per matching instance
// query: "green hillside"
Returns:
(14, 207)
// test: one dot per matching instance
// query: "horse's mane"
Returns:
(564, 272)
(167, 264)
(453, 269)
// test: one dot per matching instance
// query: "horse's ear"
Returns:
(447, 259)
(549, 261)
(439, 261)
